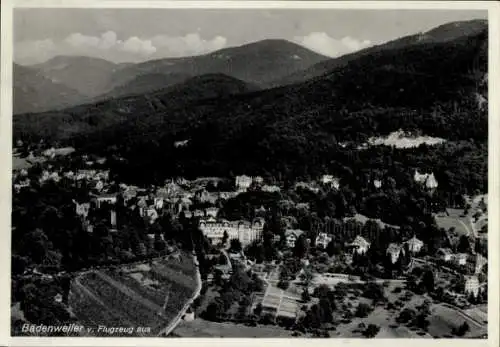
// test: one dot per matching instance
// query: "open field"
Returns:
(480, 313)
(455, 220)
(19, 163)
(443, 319)
(146, 295)
(399, 140)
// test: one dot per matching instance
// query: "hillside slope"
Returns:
(258, 63)
(33, 92)
(137, 109)
(89, 76)
(444, 33)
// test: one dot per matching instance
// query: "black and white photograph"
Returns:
(250, 173)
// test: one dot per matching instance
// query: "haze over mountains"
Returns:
(95, 79)
(71, 80)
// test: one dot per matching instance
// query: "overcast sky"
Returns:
(132, 35)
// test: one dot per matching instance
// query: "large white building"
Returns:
(428, 180)
(360, 245)
(472, 285)
(243, 183)
(244, 231)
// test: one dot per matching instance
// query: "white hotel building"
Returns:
(244, 231)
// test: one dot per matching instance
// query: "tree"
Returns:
(462, 329)
(258, 309)
(428, 281)
(325, 310)
(283, 284)
(306, 297)
(212, 312)
(306, 276)
(421, 322)
(407, 315)
(225, 237)
(363, 310)
(301, 247)
(371, 331)
(463, 245)
(235, 246)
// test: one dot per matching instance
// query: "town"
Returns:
(272, 259)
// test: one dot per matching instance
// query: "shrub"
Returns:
(363, 310)
(371, 331)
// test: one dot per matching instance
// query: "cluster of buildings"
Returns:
(427, 180)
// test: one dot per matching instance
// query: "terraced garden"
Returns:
(146, 295)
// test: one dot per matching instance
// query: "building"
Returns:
(305, 185)
(270, 188)
(183, 204)
(151, 214)
(82, 210)
(204, 196)
(394, 251)
(158, 202)
(198, 213)
(22, 184)
(244, 231)
(322, 240)
(330, 181)
(243, 183)
(105, 199)
(291, 236)
(461, 258)
(360, 245)
(261, 211)
(227, 195)
(97, 185)
(414, 245)
(212, 212)
(472, 286)
(377, 184)
(278, 303)
(112, 219)
(445, 254)
(258, 180)
(58, 298)
(480, 262)
(427, 180)
(189, 315)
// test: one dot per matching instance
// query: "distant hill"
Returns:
(33, 92)
(258, 63)
(143, 84)
(87, 118)
(89, 76)
(440, 34)
(96, 79)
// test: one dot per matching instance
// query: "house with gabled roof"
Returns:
(292, 235)
(394, 250)
(322, 240)
(445, 254)
(414, 245)
(360, 245)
